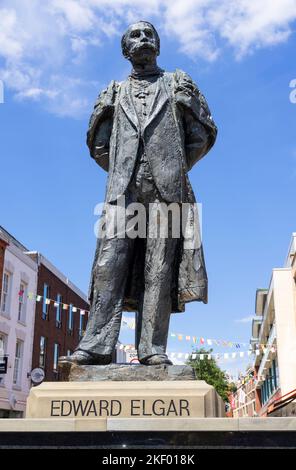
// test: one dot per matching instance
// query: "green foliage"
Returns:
(208, 370)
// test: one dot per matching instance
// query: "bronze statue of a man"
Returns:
(147, 132)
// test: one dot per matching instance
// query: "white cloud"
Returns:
(251, 24)
(9, 45)
(245, 319)
(39, 39)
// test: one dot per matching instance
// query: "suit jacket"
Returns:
(179, 131)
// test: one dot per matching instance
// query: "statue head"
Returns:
(140, 42)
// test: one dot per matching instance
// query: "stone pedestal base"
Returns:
(113, 399)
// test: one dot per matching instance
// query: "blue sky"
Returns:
(55, 58)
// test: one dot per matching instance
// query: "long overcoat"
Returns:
(178, 132)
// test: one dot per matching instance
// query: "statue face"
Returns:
(141, 42)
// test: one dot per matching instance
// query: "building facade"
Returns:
(43, 315)
(274, 335)
(243, 401)
(120, 354)
(17, 314)
(60, 318)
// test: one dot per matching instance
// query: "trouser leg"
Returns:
(155, 309)
(110, 274)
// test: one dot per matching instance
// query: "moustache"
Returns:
(143, 45)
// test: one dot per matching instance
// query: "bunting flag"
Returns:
(131, 324)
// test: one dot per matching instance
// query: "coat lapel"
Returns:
(127, 104)
(160, 98)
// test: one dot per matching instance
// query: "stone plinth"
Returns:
(124, 399)
(127, 372)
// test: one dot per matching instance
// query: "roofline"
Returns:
(292, 239)
(41, 259)
(10, 238)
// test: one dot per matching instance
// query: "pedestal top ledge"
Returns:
(130, 372)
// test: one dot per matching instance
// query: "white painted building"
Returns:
(120, 353)
(17, 314)
(274, 334)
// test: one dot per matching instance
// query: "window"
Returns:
(70, 319)
(3, 344)
(17, 372)
(3, 338)
(58, 311)
(42, 353)
(56, 353)
(81, 325)
(45, 304)
(6, 292)
(22, 302)
(270, 384)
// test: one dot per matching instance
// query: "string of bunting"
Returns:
(200, 356)
(56, 304)
(130, 323)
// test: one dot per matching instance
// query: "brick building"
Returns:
(243, 401)
(60, 318)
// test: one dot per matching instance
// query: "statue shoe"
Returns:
(156, 360)
(83, 358)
